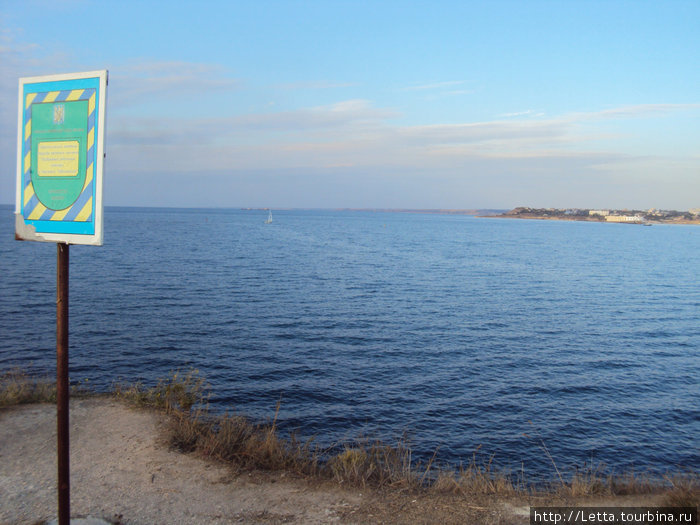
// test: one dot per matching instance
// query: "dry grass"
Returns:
(484, 479)
(684, 491)
(181, 391)
(589, 481)
(631, 482)
(236, 440)
(375, 463)
(19, 388)
(232, 439)
(244, 444)
(476, 478)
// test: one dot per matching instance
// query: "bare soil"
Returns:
(122, 471)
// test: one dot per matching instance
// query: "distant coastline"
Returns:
(439, 211)
(644, 217)
(481, 212)
(623, 216)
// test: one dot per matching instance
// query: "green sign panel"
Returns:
(59, 141)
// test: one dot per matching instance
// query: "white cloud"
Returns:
(351, 132)
(346, 117)
(141, 82)
(636, 111)
(526, 113)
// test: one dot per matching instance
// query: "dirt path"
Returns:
(120, 472)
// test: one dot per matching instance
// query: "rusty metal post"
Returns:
(62, 386)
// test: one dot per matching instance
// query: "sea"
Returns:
(523, 343)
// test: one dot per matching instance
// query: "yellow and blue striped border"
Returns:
(79, 217)
(82, 209)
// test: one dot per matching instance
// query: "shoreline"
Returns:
(157, 455)
(124, 471)
(262, 445)
(623, 216)
(573, 219)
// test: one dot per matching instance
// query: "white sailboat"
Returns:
(269, 218)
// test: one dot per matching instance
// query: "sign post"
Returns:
(60, 162)
(62, 384)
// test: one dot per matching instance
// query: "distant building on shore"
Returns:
(602, 213)
(624, 218)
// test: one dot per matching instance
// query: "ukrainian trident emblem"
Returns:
(59, 113)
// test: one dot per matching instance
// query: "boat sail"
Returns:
(269, 218)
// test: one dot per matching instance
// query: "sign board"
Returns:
(60, 158)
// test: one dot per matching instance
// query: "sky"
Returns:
(352, 104)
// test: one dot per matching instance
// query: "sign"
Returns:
(60, 158)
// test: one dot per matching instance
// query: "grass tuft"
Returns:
(184, 431)
(589, 481)
(483, 478)
(631, 483)
(19, 388)
(353, 466)
(684, 492)
(179, 392)
(376, 463)
(236, 440)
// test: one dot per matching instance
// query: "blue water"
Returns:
(461, 332)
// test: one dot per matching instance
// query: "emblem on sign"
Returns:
(59, 113)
